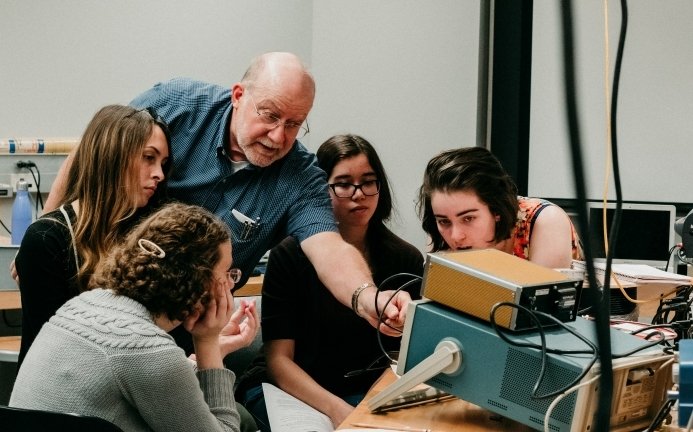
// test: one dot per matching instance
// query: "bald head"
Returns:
(280, 70)
(270, 104)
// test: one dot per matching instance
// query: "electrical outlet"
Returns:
(6, 190)
(14, 178)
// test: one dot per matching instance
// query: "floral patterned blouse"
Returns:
(526, 215)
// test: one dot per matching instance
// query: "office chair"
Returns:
(21, 420)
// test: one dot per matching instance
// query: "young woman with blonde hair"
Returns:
(118, 175)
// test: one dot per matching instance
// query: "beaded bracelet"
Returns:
(355, 297)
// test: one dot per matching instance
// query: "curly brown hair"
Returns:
(171, 285)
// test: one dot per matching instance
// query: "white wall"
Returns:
(63, 60)
(400, 73)
(655, 120)
(403, 75)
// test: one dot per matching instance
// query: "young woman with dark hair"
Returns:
(468, 201)
(316, 348)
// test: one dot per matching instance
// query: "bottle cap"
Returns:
(22, 185)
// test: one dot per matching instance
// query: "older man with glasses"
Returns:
(236, 152)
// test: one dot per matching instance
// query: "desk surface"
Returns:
(10, 300)
(251, 288)
(9, 348)
(449, 416)
(9, 345)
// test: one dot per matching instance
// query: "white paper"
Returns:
(288, 414)
(638, 273)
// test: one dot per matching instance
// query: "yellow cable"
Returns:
(607, 164)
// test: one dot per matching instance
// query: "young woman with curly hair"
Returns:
(107, 353)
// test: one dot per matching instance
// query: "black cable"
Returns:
(385, 282)
(534, 315)
(37, 180)
(600, 302)
(544, 349)
(679, 305)
(669, 254)
(662, 414)
(5, 226)
(30, 166)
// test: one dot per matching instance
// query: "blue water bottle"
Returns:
(21, 212)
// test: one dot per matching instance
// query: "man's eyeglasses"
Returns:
(234, 274)
(272, 120)
(347, 190)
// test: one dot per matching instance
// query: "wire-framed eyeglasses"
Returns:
(234, 274)
(272, 120)
(347, 190)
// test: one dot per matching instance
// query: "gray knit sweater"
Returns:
(103, 355)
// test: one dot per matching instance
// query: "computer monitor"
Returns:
(645, 235)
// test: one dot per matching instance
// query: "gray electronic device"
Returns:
(464, 356)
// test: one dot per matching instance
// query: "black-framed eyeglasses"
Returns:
(347, 190)
(234, 274)
(272, 120)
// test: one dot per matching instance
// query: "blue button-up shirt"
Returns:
(289, 197)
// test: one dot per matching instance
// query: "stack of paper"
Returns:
(638, 273)
(288, 414)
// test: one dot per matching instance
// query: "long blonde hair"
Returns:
(103, 176)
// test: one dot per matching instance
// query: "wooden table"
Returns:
(251, 288)
(9, 348)
(448, 416)
(10, 300)
(9, 345)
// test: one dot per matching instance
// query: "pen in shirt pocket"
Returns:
(249, 225)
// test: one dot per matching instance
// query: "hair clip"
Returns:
(151, 248)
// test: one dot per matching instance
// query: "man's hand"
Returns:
(241, 328)
(395, 312)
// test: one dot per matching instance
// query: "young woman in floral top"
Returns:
(468, 200)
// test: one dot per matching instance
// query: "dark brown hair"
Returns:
(341, 147)
(471, 169)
